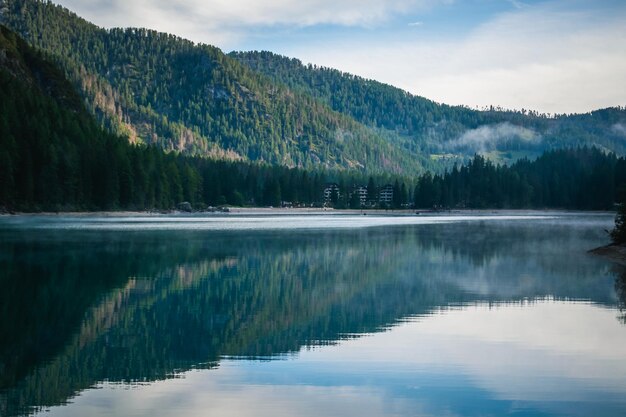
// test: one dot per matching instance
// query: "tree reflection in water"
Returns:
(83, 307)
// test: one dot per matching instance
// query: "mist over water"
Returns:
(256, 221)
(265, 315)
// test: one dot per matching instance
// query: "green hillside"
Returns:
(160, 89)
(439, 130)
(157, 88)
(55, 156)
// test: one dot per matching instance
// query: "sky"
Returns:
(553, 56)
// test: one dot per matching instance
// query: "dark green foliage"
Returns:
(618, 234)
(160, 89)
(271, 193)
(372, 192)
(354, 202)
(583, 178)
(372, 103)
(54, 156)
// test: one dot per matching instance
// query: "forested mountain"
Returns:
(423, 126)
(55, 156)
(160, 89)
(68, 109)
(156, 88)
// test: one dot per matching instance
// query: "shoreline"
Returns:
(271, 211)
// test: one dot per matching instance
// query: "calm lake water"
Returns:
(317, 315)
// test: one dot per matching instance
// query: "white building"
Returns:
(385, 195)
(331, 189)
(361, 191)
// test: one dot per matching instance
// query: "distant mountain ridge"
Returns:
(424, 126)
(160, 89)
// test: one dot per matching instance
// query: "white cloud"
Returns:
(223, 22)
(545, 58)
(619, 128)
(517, 4)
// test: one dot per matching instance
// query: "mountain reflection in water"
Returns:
(82, 307)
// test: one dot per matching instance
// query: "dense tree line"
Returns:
(582, 178)
(56, 158)
(579, 178)
(160, 89)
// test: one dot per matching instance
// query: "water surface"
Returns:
(310, 315)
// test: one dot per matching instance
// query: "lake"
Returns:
(486, 314)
